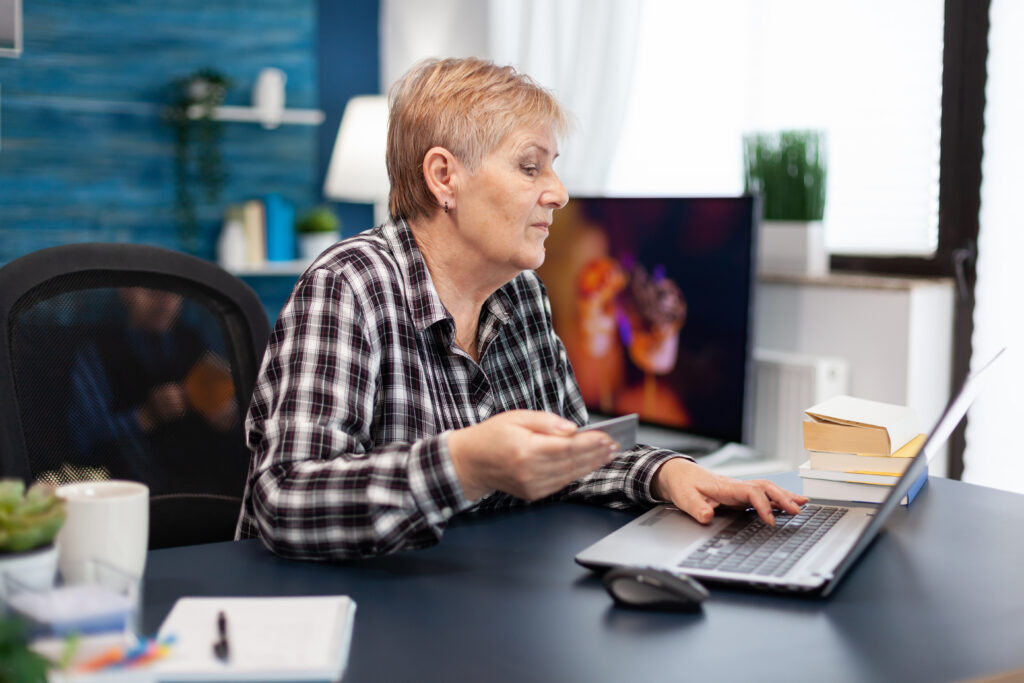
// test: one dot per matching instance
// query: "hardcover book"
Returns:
(855, 489)
(844, 424)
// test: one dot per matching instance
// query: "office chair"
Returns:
(132, 362)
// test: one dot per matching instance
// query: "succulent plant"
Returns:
(320, 219)
(28, 519)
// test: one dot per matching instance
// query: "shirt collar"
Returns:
(425, 305)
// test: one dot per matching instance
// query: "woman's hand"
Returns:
(698, 492)
(526, 453)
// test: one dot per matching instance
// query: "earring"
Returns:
(446, 207)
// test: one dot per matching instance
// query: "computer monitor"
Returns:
(652, 299)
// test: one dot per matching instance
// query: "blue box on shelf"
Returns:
(280, 218)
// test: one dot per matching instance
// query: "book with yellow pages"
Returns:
(807, 472)
(894, 465)
(844, 424)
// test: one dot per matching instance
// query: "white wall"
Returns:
(896, 334)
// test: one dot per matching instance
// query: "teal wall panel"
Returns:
(84, 154)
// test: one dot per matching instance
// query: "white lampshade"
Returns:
(357, 172)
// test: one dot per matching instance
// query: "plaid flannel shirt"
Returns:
(362, 381)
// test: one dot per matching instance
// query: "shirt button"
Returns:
(446, 512)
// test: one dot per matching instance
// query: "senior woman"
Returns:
(414, 373)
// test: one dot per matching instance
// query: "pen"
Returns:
(220, 648)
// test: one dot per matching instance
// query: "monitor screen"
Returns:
(652, 299)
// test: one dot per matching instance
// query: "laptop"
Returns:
(806, 553)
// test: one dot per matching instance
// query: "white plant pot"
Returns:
(312, 244)
(792, 248)
(33, 569)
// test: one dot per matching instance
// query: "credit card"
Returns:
(622, 429)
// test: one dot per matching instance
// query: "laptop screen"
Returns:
(951, 416)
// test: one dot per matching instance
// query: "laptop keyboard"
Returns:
(750, 546)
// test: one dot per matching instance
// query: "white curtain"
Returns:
(994, 455)
(584, 51)
(580, 49)
(411, 30)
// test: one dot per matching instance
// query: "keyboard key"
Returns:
(748, 545)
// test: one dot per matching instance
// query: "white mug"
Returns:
(107, 521)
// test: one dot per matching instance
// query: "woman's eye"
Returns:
(529, 169)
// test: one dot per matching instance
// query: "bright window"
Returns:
(992, 454)
(868, 72)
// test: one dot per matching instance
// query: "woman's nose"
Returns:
(556, 197)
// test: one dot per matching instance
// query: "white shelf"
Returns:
(301, 117)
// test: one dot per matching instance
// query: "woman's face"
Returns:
(504, 209)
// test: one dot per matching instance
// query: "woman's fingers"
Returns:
(698, 491)
(528, 454)
(691, 501)
(558, 461)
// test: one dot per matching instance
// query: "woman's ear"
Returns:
(439, 170)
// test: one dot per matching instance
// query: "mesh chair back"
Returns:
(131, 362)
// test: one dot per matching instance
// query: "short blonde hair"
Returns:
(466, 106)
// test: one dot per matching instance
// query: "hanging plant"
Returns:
(197, 136)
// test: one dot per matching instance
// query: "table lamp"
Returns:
(357, 172)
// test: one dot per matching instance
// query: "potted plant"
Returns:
(318, 229)
(788, 170)
(29, 521)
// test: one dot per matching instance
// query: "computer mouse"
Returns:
(650, 588)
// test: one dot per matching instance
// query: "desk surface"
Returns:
(937, 597)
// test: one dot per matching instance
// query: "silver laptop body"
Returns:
(664, 536)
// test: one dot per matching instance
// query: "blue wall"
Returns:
(349, 64)
(84, 155)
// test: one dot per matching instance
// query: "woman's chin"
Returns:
(534, 260)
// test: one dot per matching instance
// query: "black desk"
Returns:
(938, 597)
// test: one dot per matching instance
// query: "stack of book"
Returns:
(857, 449)
(257, 231)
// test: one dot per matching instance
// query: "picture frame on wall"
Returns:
(10, 28)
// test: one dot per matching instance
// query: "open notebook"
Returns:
(270, 639)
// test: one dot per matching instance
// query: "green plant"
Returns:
(18, 663)
(190, 114)
(788, 169)
(28, 519)
(320, 219)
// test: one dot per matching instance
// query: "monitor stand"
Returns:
(675, 440)
(672, 439)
